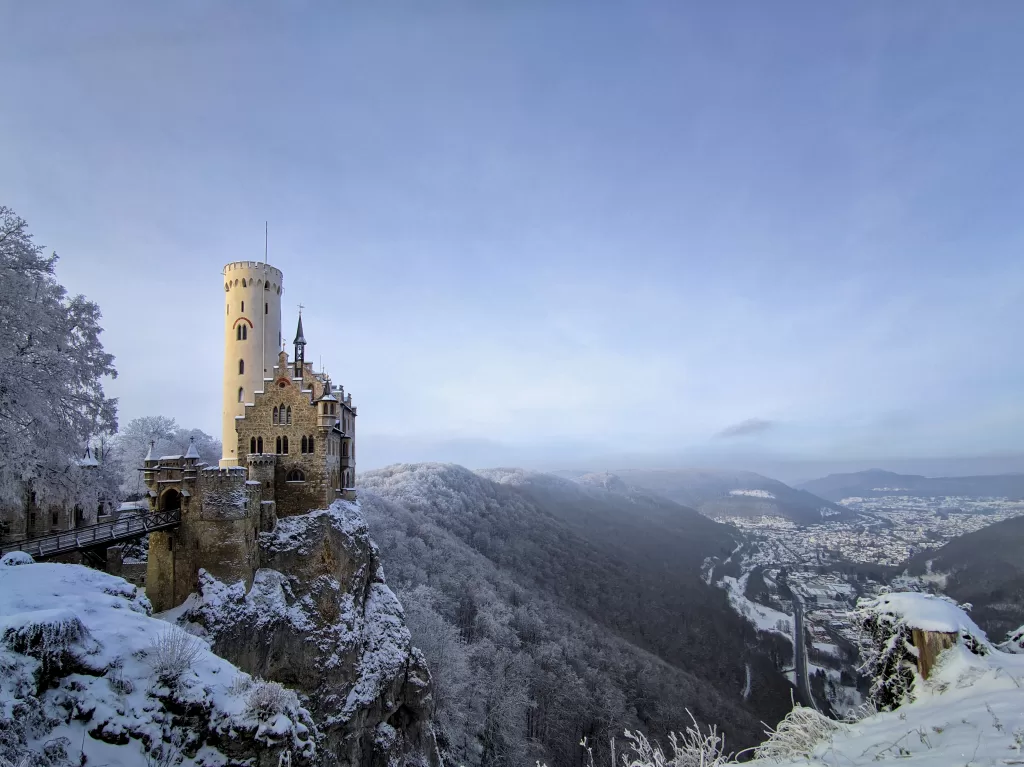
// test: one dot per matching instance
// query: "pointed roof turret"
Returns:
(149, 455)
(328, 394)
(299, 337)
(192, 452)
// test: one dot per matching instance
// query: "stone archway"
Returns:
(170, 500)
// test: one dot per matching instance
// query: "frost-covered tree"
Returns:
(51, 379)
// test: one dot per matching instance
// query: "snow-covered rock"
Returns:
(320, 619)
(87, 676)
(969, 712)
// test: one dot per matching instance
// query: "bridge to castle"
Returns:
(89, 538)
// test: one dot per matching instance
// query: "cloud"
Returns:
(745, 428)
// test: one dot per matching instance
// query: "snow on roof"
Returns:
(192, 452)
(928, 613)
(133, 506)
(169, 458)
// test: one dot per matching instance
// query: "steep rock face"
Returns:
(320, 619)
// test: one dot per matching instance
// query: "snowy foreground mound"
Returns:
(970, 710)
(87, 677)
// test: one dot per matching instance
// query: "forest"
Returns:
(552, 610)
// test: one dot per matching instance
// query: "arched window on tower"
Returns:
(245, 332)
(266, 286)
(243, 306)
(241, 367)
(241, 394)
(243, 282)
(274, 422)
(310, 444)
(303, 445)
(259, 444)
(288, 416)
(252, 444)
(284, 444)
(266, 308)
(241, 332)
(278, 451)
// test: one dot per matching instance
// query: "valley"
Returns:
(823, 569)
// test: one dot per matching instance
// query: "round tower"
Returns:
(252, 339)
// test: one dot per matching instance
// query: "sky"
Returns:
(551, 234)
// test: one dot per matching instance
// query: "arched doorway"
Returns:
(170, 500)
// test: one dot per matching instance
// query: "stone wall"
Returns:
(221, 516)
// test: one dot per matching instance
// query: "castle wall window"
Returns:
(252, 444)
(282, 446)
(310, 444)
(53, 518)
(241, 394)
(284, 440)
(274, 421)
(266, 308)
(278, 451)
(296, 475)
(259, 444)
(243, 282)
(243, 306)
(241, 367)
(288, 417)
(242, 332)
(304, 445)
(266, 286)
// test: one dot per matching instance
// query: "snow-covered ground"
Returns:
(753, 493)
(969, 712)
(764, 618)
(88, 674)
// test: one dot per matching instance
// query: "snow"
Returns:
(928, 613)
(753, 493)
(970, 712)
(764, 618)
(78, 649)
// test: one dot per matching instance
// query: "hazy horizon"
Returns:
(565, 236)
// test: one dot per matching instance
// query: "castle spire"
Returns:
(300, 347)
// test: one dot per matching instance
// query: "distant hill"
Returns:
(717, 493)
(986, 569)
(552, 610)
(875, 483)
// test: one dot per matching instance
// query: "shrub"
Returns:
(172, 653)
(268, 699)
(796, 736)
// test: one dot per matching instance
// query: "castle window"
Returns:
(252, 444)
(53, 517)
(310, 444)
(266, 308)
(284, 443)
(228, 307)
(241, 367)
(259, 444)
(241, 394)
(278, 451)
(241, 332)
(296, 475)
(266, 286)
(274, 421)
(303, 446)
(288, 417)
(243, 306)
(243, 282)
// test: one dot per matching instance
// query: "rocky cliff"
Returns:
(319, 619)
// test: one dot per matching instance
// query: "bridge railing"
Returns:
(91, 536)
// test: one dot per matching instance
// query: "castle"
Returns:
(288, 440)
